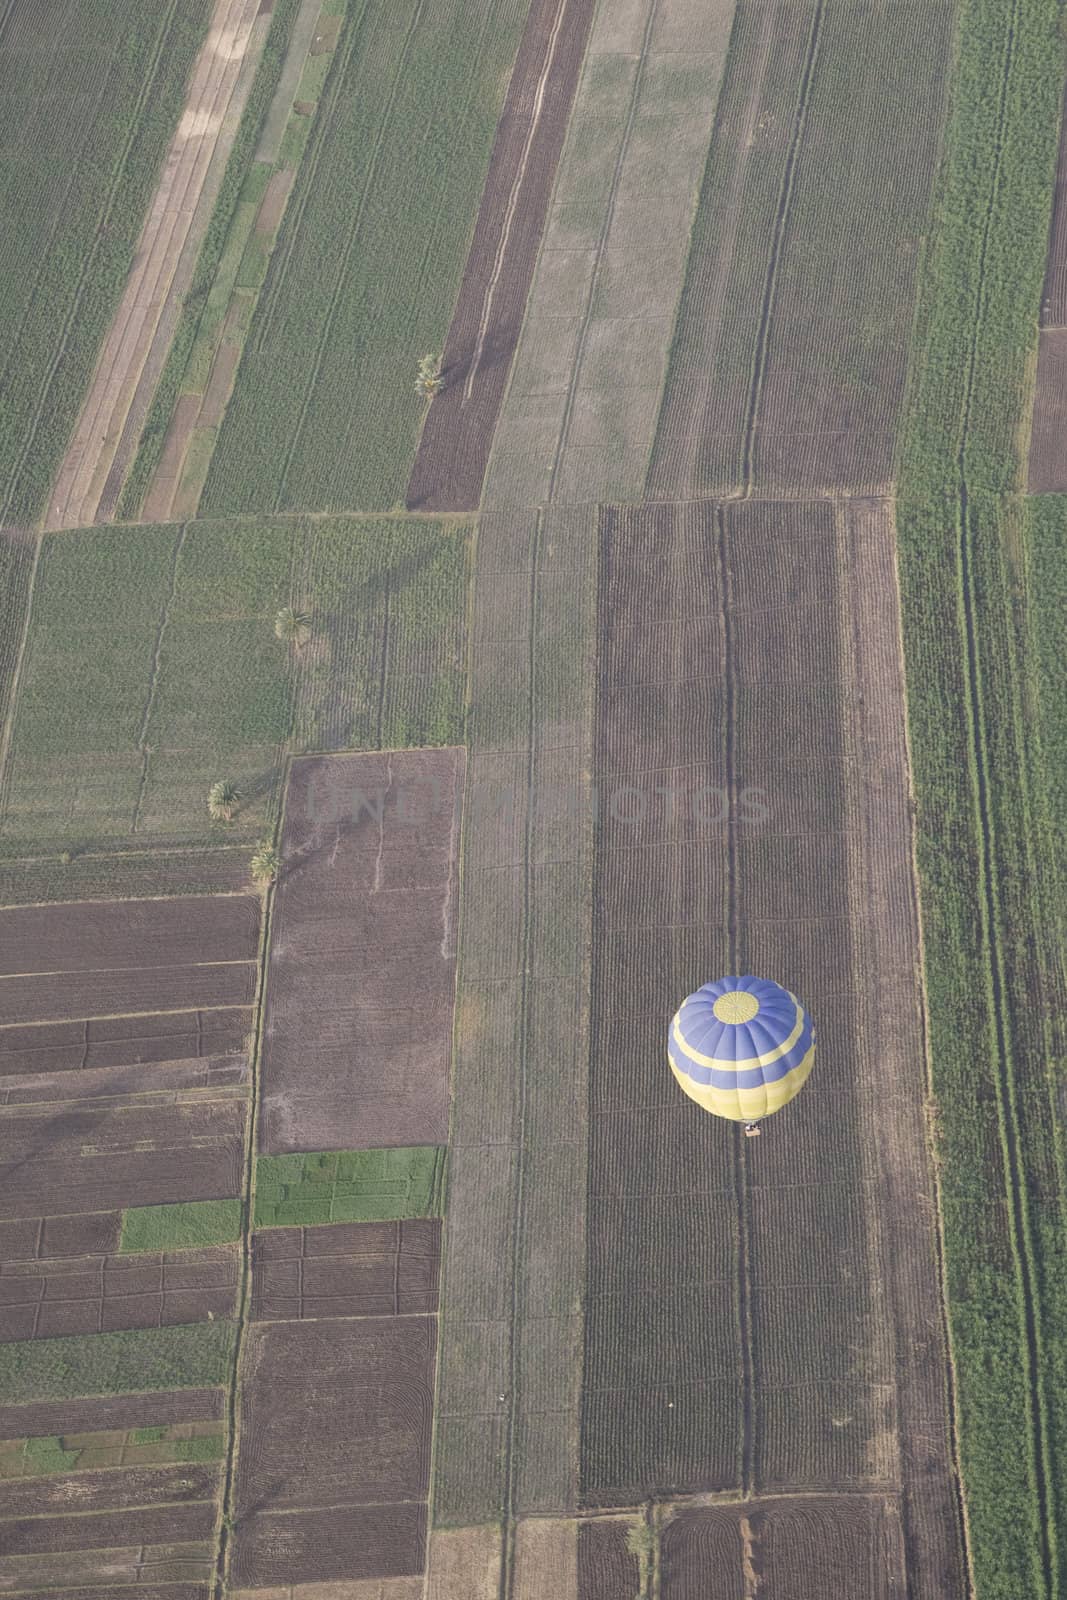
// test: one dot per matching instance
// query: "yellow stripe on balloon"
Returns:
(776, 1054)
(748, 1105)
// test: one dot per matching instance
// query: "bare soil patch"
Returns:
(341, 1542)
(335, 1413)
(112, 1490)
(801, 1549)
(112, 1571)
(93, 935)
(47, 1300)
(102, 1157)
(40, 1049)
(458, 433)
(22, 1536)
(1047, 472)
(164, 486)
(606, 1569)
(356, 1269)
(178, 210)
(276, 196)
(812, 1291)
(177, 1077)
(77, 995)
(40, 1238)
(48, 1418)
(355, 1054)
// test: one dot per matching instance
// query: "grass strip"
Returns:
(238, 171)
(189, 1356)
(349, 1186)
(182, 1226)
(991, 963)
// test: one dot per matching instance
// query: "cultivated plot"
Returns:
(588, 374)
(335, 1434)
(458, 430)
(362, 1269)
(360, 983)
(800, 1549)
(774, 1342)
(176, 219)
(370, 257)
(788, 363)
(112, 763)
(514, 1241)
(90, 98)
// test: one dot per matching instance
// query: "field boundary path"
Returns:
(139, 337)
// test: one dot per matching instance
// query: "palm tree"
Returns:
(429, 380)
(293, 626)
(222, 800)
(264, 864)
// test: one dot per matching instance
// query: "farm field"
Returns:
(790, 353)
(979, 629)
(355, 1241)
(178, 215)
(90, 101)
(335, 1419)
(458, 431)
(366, 898)
(370, 255)
(179, 436)
(114, 765)
(589, 369)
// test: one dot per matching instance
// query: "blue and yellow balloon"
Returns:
(741, 1047)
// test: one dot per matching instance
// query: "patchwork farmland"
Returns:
(382, 762)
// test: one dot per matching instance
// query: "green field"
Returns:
(181, 1226)
(349, 1186)
(196, 307)
(190, 1356)
(152, 669)
(90, 94)
(363, 280)
(42, 1455)
(984, 645)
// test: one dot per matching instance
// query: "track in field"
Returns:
(458, 431)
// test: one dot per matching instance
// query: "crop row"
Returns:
(993, 973)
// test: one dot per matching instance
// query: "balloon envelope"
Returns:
(741, 1047)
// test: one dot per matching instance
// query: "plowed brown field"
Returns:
(334, 1459)
(802, 1549)
(774, 1341)
(357, 1032)
(45, 1300)
(359, 1269)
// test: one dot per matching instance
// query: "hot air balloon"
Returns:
(741, 1048)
